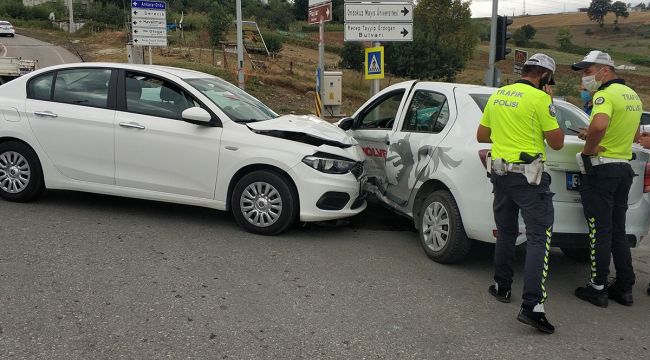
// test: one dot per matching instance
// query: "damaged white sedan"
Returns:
(174, 135)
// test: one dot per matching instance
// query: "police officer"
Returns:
(604, 190)
(517, 119)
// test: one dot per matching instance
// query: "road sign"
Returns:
(378, 31)
(317, 2)
(149, 41)
(374, 64)
(520, 58)
(148, 14)
(159, 5)
(319, 12)
(149, 23)
(378, 12)
(155, 23)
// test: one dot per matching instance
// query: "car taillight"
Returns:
(483, 155)
(646, 178)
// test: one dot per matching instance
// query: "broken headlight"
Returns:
(330, 164)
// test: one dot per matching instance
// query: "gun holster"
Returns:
(533, 169)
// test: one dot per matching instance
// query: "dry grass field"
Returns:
(286, 83)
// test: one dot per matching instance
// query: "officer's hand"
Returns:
(644, 140)
(547, 89)
(583, 133)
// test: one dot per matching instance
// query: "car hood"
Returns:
(306, 129)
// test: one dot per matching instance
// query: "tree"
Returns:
(352, 56)
(563, 38)
(619, 9)
(443, 40)
(219, 23)
(524, 34)
(300, 9)
(598, 9)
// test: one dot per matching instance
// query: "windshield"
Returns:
(237, 104)
(568, 116)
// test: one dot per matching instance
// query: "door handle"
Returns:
(132, 125)
(45, 114)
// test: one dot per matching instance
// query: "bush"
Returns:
(538, 45)
(273, 42)
(352, 56)
(638, 60)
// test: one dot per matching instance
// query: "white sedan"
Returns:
(174, 135)
(6, 29)
(425, 163)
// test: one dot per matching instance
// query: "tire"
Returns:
(441, 230)
(580, 255)
(269, 214)
(21, 176)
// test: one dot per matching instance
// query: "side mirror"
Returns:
(346, 123)
(196, 115)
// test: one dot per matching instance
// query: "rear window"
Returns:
(568, 116)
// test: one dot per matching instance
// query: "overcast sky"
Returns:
(483, 8)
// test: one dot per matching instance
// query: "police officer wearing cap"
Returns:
(516, 120)
(604, 189)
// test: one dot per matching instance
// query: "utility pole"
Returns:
(240, 47)
(321, 61)
(71, 10)
(490, 78)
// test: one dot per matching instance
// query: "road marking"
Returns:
(4, 51)
(59, 55)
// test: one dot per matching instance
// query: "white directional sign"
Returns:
(356, 12)
(149, 23)
(148, 14)
(378, 32)
(317, 2)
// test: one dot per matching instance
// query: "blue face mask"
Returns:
(585, 95)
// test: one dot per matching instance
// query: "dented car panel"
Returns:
(419, 138)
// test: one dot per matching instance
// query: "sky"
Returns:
(483, 8)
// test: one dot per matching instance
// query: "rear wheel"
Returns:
(441, 230)
(21, 177)
(577, 254)
(264, 202)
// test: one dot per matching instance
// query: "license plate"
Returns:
(572, 181)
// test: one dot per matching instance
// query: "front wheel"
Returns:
(441, 230)
(264, 202)
(21, 177)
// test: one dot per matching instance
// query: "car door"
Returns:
(71, 114)
(372, 125)
(412, 147)
(154, 149)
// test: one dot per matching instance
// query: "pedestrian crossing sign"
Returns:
(374, 63)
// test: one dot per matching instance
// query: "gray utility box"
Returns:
(332, 87)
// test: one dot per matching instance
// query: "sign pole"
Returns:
(490, 79)
(321, 59)
(240, 48)
(374, 87)
(150, 56)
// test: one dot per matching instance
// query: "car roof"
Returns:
(3, 22)
(178, 72)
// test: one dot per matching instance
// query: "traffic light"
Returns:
(502, 37)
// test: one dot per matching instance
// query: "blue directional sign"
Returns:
(154, 5)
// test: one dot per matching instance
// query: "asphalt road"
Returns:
(96, 277)
(32, 49)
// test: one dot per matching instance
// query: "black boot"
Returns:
(502, 295)
(616, 293)
(535, 319)
(590, 294)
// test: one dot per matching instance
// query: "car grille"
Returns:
(357, 170)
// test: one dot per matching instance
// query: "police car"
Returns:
(423, 160)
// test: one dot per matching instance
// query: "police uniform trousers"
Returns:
(604, 195)
(513, 193)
